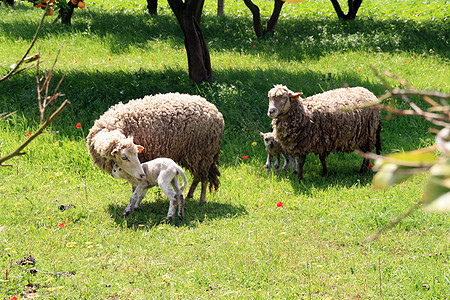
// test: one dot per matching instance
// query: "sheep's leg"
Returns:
(194, 184)
(301, 162)
(268, 162)
(277, 164)
(364, 166)
(203, 194)
(323, 160)
(287, 161)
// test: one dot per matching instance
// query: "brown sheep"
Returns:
(319, 125)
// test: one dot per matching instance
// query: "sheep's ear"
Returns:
(261, 134)
(114, 152)
(140, 148)
(295, 96)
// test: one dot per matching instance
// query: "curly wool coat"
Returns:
(319, 125)
(185, 128)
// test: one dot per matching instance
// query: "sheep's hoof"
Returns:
(169, 218)
(125, 213)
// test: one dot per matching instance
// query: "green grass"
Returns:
(240, 244)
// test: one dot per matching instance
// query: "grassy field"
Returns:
(240, 244)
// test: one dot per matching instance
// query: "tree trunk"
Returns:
(152, 6)
(271, 24)
(66, 13)
(220, 7)
(353, 6)
(188, 14)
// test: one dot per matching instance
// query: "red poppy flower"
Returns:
(423, 196)
(28, 134)
(245, 156)
(254, 46)
(62, 224)
(109, 59)
(182, 50)
(280, 204)
(78, 125)
(14, 298)
(370, 165)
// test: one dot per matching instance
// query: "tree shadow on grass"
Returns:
(153, 212)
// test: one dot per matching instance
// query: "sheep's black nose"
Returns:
(271, 111)
(142, 176)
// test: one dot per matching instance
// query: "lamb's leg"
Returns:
(181, 205)
(268, 163)
(203, 194)
(277, 163)
(301, 162)
(194, 184)
(140, 198)
(287, 161)
(323, 160)
(178, 195)
(295, 165)
(138, 193)
(170, 193)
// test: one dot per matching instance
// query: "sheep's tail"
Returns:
(378, 141)
(213, 175)
(185, 182)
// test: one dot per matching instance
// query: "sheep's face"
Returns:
(268, 138)
(128, 161)
(280, 98)
(278, 106)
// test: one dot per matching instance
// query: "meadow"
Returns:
(261, 235)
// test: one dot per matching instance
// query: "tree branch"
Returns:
(18, 152)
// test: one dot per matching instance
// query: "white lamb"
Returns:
(163, 172)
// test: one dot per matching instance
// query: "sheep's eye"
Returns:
(124, 157)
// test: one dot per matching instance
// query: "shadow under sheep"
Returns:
(153, 211)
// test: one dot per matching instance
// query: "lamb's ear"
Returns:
(295, 96)
(140, 148)
(261, 134)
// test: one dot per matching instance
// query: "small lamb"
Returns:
(273, 149)
(162, 172)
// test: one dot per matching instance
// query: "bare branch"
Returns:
(16, 70)
(18, 152)
(7, 115)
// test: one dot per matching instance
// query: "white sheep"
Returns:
(325, 123)
(163, 172)
(274, 150)
(185, 128)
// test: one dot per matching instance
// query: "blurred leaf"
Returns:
(390, 174)
(420, 157)
(398, 167)
(26, 60)
(437, 190)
